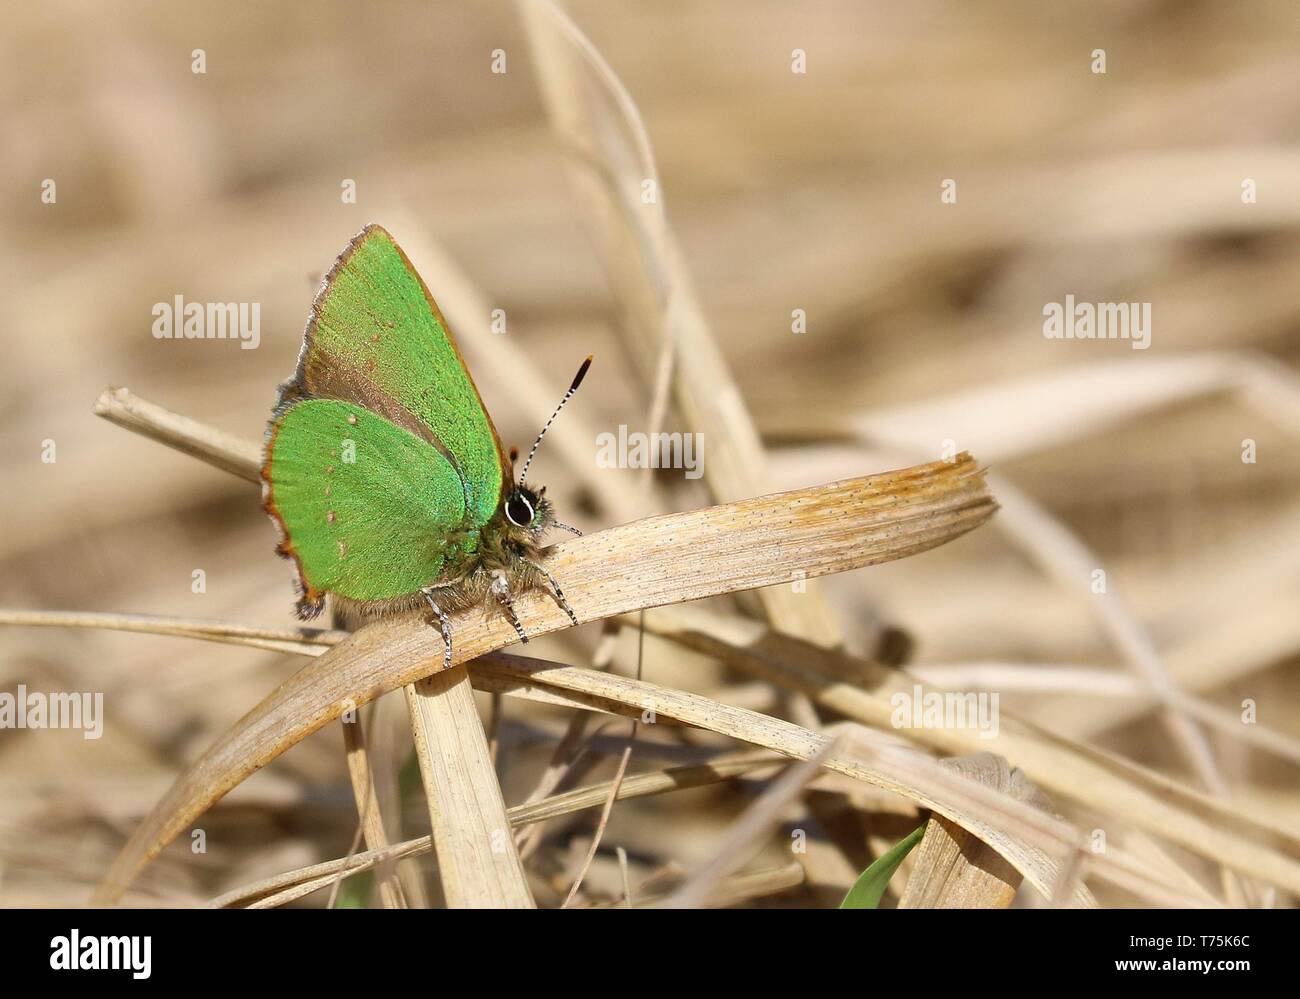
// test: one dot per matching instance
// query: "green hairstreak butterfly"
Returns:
(382, 468)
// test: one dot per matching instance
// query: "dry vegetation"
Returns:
(1120, 712)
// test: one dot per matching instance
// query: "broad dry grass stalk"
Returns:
(477, 859)
(954, 870)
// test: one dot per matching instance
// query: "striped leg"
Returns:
(499, 590)
(559, 593)
(443, 621)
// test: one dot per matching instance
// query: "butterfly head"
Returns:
(526, 508)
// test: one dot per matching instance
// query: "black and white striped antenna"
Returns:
(577, 380)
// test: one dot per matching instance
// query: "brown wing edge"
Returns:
(311, 601)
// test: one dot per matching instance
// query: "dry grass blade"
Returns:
(1007, 824)
(477, 859)
(239, 457)
(619, 774)
(976, 807)
(739, 888)
(1231, 834)
(952, 869)
(722, 549)
(301, 641)
(284, 640)
(1019, 416)
(1089, 785)
(759, 820)
(1093, 681)
(287, 887)
(596, 117)
(1063, 555)
(569, 750)
(368, 813)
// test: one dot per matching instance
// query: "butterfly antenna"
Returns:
(577, 380)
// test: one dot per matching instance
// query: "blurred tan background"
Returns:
(817, 191)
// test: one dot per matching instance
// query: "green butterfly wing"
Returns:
(369, 510)
(376, 338)
(380, 380)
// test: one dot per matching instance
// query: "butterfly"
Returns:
(382, 469)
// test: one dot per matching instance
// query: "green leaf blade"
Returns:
(868, 890)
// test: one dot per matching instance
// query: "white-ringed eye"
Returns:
(519, 511)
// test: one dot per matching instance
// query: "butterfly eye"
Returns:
(519, 511)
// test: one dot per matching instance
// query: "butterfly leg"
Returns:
(559, 593)
(499, 590)
(444, 622)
